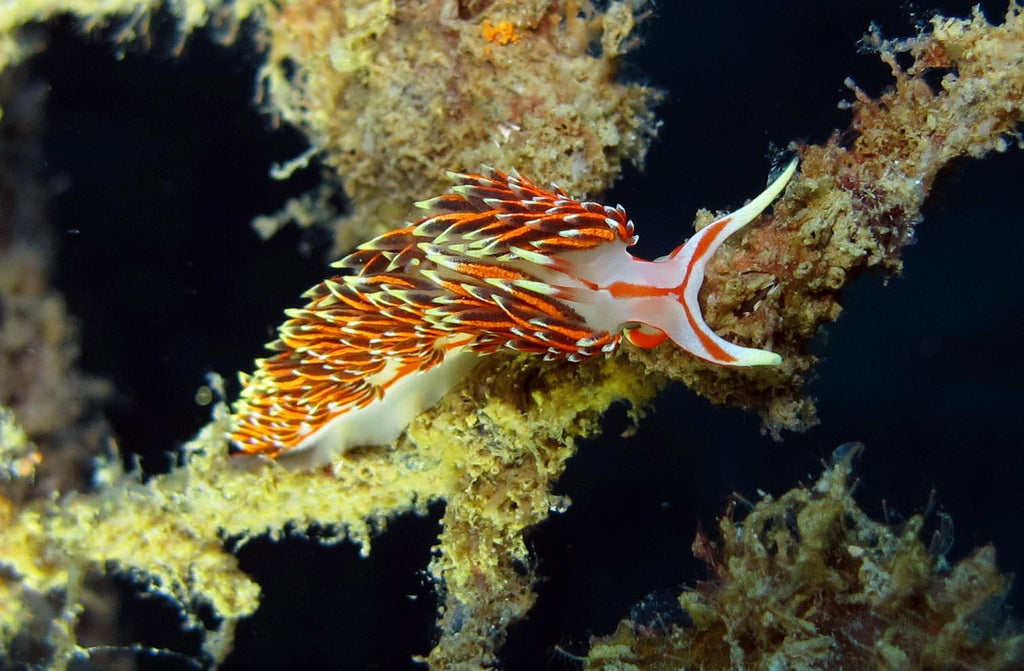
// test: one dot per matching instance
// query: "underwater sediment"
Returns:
(493, 449)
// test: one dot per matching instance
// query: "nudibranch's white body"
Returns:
(500, 264)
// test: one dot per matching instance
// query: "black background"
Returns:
(166, 158)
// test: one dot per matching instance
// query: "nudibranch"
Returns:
(499, 263)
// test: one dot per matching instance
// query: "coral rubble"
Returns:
(809, 581)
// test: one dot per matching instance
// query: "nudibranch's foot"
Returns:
(377, 423)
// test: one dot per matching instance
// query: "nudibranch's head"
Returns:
(651, 302)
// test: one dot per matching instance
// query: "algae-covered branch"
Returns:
(389, 95)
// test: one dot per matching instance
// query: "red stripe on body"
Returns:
(630, 290)
(714, 349)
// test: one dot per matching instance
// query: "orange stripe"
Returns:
(629, 290)
(550, 308)
(710, 345)
(713, 348)
(484, 270)
(702, 247)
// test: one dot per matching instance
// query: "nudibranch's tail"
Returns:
(690, 330)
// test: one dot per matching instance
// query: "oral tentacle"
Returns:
(691, 331)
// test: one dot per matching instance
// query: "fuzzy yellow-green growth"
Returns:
(493, 448)
(492, 452)
(131, 17)
(809, 581)
(18, 456)
(506, 440)
(48, 547)
(391, 93)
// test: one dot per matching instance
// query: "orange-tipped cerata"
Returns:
(499, 263)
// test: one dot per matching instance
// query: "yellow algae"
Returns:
(394, 93)
(390, 93)
(130, 16)
(18, 455)
(507, 438)
(491, 452)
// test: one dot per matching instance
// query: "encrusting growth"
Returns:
(500, 264)
(493, 451)
(809, 580)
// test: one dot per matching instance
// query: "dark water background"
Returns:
(166, 162)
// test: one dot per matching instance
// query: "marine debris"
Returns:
(493, 447)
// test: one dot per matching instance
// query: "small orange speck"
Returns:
(499, 33)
